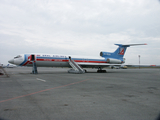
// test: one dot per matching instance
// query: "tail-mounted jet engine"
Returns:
(106, 54)
(111, 58)
(113, 61)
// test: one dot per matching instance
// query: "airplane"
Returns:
(8, 66)
(106, 59)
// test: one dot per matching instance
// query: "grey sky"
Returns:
(81, 27)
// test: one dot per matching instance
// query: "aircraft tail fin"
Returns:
(120, 51)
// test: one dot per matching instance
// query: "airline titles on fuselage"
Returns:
(45, 57)
(55, 56)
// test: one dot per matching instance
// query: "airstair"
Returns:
(75, 67)
(34, 68)
(3, 71)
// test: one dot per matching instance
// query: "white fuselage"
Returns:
(54, 60)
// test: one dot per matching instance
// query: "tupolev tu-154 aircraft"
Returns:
(77, 63)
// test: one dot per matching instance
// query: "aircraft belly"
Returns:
(52, 64)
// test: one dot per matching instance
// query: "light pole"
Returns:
(139, 60)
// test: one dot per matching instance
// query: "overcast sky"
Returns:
(80, 27)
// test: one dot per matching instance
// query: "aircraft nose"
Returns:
(11, 61)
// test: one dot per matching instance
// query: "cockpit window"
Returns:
(18, 56)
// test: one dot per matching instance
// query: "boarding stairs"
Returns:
(75, 67)
(2, 70)
(34, 68)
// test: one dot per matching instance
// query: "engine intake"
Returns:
(105, 54)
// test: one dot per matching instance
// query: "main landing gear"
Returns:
(101, 71)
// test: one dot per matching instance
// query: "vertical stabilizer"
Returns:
(122, 49)
(119, 53)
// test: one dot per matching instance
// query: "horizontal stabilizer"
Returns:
(128, 45)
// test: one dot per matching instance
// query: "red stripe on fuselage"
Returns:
(25, 63)
(28, 62)
(56, 60)
(90, 61)
(62, 60)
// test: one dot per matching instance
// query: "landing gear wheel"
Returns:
(101, 71)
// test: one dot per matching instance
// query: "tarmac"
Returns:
(55, 94)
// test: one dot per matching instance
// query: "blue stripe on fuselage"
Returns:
(25, 60)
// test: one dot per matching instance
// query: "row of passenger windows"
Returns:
(52, 56)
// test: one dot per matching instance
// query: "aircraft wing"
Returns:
(142, 65)
(96, 65)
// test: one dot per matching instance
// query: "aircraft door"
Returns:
(33, 57)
